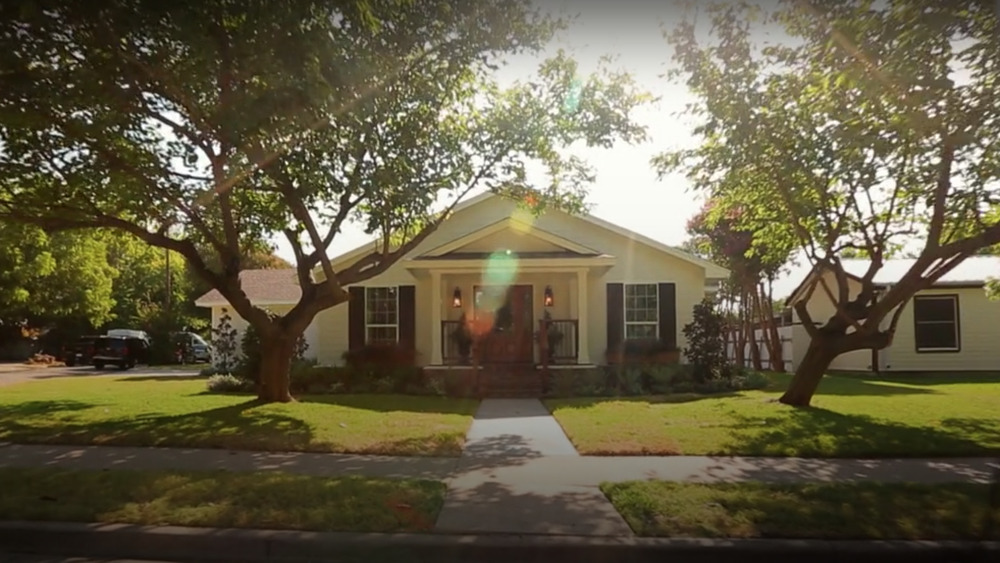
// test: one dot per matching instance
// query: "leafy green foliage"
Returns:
(208, 128)
(50, 276)
(706, 349)
(869, 127)
(224, 345)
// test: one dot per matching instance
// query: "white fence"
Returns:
(784, 332)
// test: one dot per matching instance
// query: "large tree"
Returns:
(870, 126)
(45, 278)
(207, 127)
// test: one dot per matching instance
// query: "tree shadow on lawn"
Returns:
(930, 379)
(142, 378)
(222, 427)
(817, 432)
(852, 386)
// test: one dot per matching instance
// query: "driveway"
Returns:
(11, 373)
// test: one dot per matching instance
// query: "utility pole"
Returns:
(169, 289)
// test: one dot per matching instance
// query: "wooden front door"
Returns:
(507, 312)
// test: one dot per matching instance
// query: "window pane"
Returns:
(381, 335)
(380, 305)
(935, 335)
(934, 309)
(641, 307)
(640, 331)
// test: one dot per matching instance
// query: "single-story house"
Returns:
(597, 283)
(951, 326)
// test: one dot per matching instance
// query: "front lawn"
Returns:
(851, 417)
(825, 511)
(176, 411)
(267, 500)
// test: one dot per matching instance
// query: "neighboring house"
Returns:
(599, 283)
(951, 326)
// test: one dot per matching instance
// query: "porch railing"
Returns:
(450, 351)
(563, 339)
(564, 348)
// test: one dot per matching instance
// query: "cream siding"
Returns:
(822, 308)
(636, 263)
(978, 336)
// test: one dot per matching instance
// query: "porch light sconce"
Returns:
(548, 296)
(456, 298)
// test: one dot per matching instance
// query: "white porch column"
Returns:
(583, 340)
(436, 318)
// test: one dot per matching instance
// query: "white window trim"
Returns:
(655, 324)
(368, 325)
(953, 322)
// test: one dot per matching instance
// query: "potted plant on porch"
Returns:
(553, 336)
(462, 336)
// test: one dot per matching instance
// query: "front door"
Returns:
(507, 312)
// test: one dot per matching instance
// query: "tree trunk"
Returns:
(817, 360)
(775, 350)
(276, 351)
(749, 328)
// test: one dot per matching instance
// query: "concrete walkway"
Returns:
(484, 498)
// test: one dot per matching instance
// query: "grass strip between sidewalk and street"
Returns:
(268, 500)
(835, 511)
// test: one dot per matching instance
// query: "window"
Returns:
(642, 311)
(381, 315)
(935, 321)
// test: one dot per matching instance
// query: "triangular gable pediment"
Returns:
(513, 235)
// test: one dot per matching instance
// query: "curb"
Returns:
(218, 545)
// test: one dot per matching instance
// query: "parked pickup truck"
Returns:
(122, 351)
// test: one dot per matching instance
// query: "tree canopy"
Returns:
(206, 128)
(48, 276)
(868, 126)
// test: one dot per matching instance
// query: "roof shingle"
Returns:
(261, 286)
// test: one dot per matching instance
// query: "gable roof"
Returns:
(712, 270)
(975, 270)
(516, 225)
(262, 287)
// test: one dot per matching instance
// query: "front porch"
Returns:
(508, 308)
(529, 319)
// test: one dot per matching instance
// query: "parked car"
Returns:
(122, 351)
(191, 348)
(78, 352)
(130, 333)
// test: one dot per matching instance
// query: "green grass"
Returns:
(268, 500)
(850, 417)
(176, 411)
(827, 511)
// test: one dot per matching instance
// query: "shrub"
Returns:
(626, 380)
(210, 370)
(706, 348)
(224, 345)
(226, 383)
(751, 379)
(381, 355)
(249, 365)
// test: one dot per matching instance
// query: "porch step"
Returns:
(511, 383)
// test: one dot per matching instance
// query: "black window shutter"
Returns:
(616, 315)
(356, 318)
(668, 314)
(407, 316)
